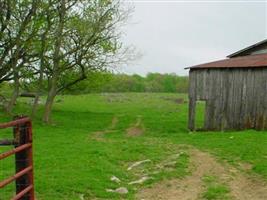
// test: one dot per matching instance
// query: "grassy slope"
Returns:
(69, 161)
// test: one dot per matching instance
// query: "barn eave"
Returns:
(250, 61)
(248, 49)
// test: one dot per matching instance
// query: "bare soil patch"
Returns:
(114, 122)
(134, 131)
(180, 101)
(116, 98)
(242, 187)
(137, 129)
(99, 135)
(175, 100)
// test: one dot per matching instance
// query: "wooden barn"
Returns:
(233, 91)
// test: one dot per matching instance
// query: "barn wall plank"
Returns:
(235, 98)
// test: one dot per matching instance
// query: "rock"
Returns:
(176, 156)
(115, 179)
(170, 164)
(110, 190)
(155, 172)
(121, 190)
(81, 196)
(137, 164)
(140, 181)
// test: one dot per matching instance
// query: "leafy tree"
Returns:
(55, 44)
(86, 40)
(17, 28)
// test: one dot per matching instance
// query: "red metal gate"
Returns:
(22, 133)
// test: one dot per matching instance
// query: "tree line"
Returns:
(152, 82)
(49, 46)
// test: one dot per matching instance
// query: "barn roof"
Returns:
(248, 49)
(258, 60)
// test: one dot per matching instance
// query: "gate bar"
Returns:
(16, 176)
(15, 122)
(23, 192)
(16, 150)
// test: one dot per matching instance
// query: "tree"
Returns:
(86, 39)
(57, 43)
(16, 32)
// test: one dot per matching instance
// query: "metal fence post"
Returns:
(23, 159)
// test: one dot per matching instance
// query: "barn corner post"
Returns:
(192, 101)
(24, 159)
(191, 121)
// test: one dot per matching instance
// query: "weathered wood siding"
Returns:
(235, 98)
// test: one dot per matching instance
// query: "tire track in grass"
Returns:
(241, 186)
(99, 135)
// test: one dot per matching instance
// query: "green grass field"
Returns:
(96, 136)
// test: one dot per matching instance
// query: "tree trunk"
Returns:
(12, 102)
(48, 108)
(42, 66)
(49, 102)
(56, 63)
(35, 105)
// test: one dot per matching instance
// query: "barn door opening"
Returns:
(200, 114)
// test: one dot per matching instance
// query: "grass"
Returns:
(70, 160)
(214, 189)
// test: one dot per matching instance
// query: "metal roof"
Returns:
(250, 61)
(242, 51)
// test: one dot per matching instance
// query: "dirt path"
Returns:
(192, 187)
(99, 135)
(137, 129)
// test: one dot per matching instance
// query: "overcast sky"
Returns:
(172, 35)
